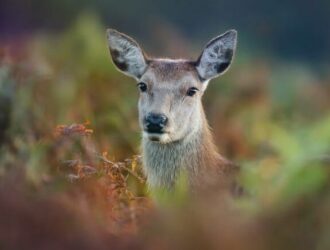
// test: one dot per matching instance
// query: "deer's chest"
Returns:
(163, 163)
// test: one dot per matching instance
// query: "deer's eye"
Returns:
(192, 91)
(142, 86)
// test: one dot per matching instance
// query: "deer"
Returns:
(176, 137)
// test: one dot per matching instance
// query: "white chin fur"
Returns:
(160, 138)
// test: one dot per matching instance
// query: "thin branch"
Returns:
(121, 166)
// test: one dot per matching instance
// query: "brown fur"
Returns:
(185, 143)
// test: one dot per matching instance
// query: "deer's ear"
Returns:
(217, 55)
(126, 54)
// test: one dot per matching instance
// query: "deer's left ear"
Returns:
(217, 55)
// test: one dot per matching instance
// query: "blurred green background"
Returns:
(269, 113)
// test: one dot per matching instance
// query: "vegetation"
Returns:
(70, 174)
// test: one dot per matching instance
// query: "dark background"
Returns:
(291, 30)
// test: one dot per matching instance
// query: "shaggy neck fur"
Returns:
(194, 155)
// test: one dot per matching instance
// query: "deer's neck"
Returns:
(194, 155)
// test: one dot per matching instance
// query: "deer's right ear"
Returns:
(126, 54)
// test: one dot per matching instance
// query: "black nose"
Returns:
(155, 122)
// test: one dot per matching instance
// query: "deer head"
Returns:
(170, 107)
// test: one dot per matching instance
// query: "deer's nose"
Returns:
(155, 122)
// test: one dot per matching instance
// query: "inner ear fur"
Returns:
(217, 55)
(126, 54)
